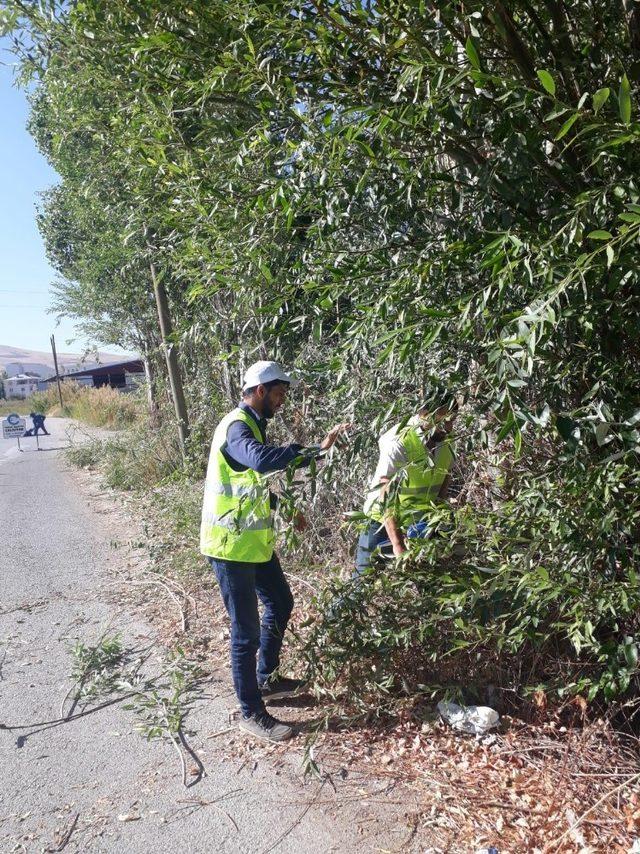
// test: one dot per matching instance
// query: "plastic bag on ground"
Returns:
(475, 720)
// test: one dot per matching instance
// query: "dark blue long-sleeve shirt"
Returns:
(242, 450)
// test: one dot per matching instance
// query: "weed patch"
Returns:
(135, 460)
(21, 407)
(87, 455)
(100, 407)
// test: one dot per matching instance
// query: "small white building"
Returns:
(20, 386)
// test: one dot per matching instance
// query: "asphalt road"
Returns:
(94, 784)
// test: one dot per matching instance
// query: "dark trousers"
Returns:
(373, 537)
(241, 585)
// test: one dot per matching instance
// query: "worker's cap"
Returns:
(265, 372)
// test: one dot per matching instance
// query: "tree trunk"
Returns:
(173, 368)
(152, 402)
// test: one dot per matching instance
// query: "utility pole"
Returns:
(55, 362)
(173, 368)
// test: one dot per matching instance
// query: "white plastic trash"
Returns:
(475, 720)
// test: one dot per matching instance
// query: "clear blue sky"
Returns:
(25, 275)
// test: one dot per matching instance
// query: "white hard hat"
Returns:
(265, 372)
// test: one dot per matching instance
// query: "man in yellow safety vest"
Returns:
(411, 478)
(237, 537)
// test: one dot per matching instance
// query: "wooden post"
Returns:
(173, 368)
(149, 372)
(55, 362)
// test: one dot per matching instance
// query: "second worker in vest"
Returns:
(411, 477)
(237, 537)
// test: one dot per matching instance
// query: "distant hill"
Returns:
(15, 360)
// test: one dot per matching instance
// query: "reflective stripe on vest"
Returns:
(232, 489)
(236, 512)
(232, 524)
(418, 484)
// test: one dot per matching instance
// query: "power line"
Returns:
(4, 291)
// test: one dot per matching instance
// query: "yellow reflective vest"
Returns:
(236, 513)
(414, 490)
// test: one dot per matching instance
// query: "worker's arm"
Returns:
(247, 452)
(391, 525)
(243, 448)
(395, 535)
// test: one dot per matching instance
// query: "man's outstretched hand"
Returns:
(333, 434)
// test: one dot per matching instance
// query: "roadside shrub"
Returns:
(87, 455)
(21, 407)
(100, 407)
(137, 459)
(105, 407)
(542, 592)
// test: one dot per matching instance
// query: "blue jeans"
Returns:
(372, 538)
(241, 584)
(376, 537)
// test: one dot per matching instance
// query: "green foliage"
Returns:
(98, 658)
(135, 460)
(379, 193)
(161, 709)
(96, 669)
(100, 407)
(542, 591)
(160, 703)
(21, 407)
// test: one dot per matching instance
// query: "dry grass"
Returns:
(21, 407)
(135, 459)
(527, 788)
(100, 407)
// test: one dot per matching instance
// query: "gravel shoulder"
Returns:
(93, 783)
